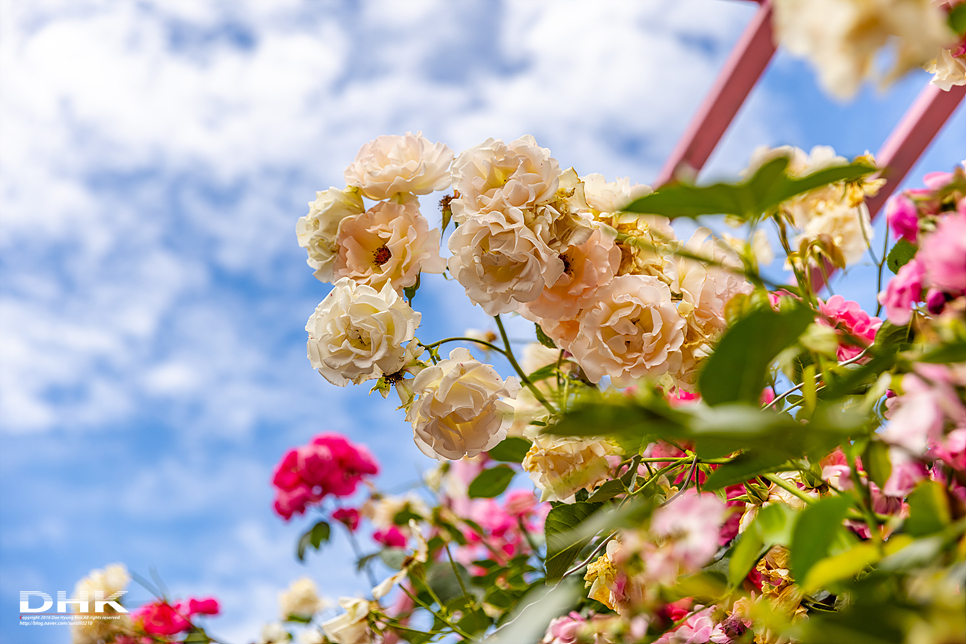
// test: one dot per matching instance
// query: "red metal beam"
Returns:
(910, 138)
(740, 73)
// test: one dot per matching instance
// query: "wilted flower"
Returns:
(459, 409)
(392, 164)
(358, 333)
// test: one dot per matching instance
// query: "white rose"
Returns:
(848, 228)
(301, 599)
(560, 466)
(110, 580)
(614, 196)
(317, 231)
(393, 164)
(389, 242)
(311, 636)
(631, 329)
(351, 626)
(494, 176)
(357, 333)
(459, 409)
(948, 69)
(382, 512)
(843, 37)
(274, 633)
(500, 262)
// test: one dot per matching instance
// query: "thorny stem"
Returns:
(523, 377)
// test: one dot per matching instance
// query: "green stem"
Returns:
(782, 483)
(523, 377)
(878, 283)
(488, 345)
(456, 629)
(456, 571)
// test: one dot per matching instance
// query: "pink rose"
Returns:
(160, 618)
(520, 503)
(903, 291)
(391, 537)
(943, 255)
(348, 516)
(903, 218)
(207, 606)
(849, 316)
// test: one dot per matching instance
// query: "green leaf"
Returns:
(743, 467)
(607, 491)
(957, 19)
(510, 450)
(877, 463)
(900, 255)
(841, 566)
(928, 509)
(746, 200)
(738, 368)
(815, 531)
(315, 537)
(491, 482)
(544, 339)
(543, 373)
(562, 549)
(947, 353)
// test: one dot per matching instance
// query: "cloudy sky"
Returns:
(155, 156)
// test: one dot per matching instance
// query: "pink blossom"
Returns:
(903, 291)
(564, 630)
(943, 255)
(904, 476)
(698, 628)
(520, 503)
(849, 317)
(953, 448)
(160, 618)
(348, 516)
(903, 218)
(206, 606)
(691, 522)
(937, 180)
(681, 397)
(391, 537)
(767, 396)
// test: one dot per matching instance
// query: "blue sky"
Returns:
(155, 157)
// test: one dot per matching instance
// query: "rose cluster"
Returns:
(932, 223)
(328, 465)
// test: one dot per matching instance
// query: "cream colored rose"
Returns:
(390, 242)
(101, 584)
(843, 37)
(560, 466)
(495, 176)
(849, 229)
(459, 409)
(705, 292)
(948, 69)
(301, 599)
(500, 262)
(526, 408)
(629, 330)
(382, 511)
(611, 197)
(351, 627)
(274, 633)
(318, 231)
(586, 268)
(391, 165)
(358, 333)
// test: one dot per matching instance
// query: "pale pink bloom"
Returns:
(390, 242)
(943, 255)
(500, 262)
(906, 472)
(698, 628)
(691, 523)
(520, 503)
(953, 448)
(630, 329)
(903, 291)
(903, 217)
(392, 164)
(850, 316)
(586, 267)
(564, 630)
(918, 416)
